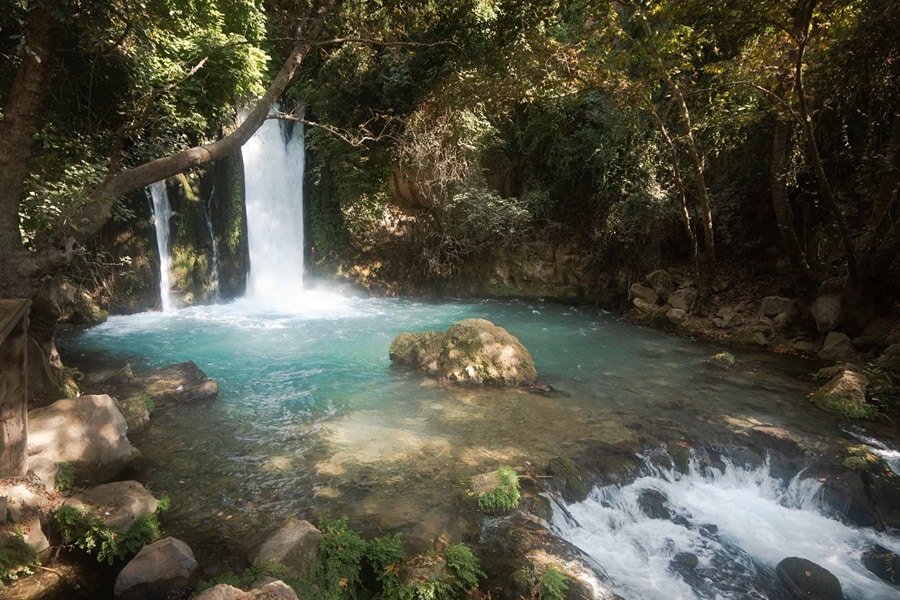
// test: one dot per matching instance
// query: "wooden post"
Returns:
(13, 387)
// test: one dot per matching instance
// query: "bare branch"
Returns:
(355, 139)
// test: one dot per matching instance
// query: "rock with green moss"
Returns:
(496, 491)
(567, 478)
(845, 394)
(471, 351)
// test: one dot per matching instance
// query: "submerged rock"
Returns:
(805, 579)
(472, 351)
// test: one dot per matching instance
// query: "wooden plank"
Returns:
(12, 310)
(13, 387)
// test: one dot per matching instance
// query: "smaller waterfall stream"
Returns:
(273, 186)
(720, 535)
(214, 270)
(162, 213)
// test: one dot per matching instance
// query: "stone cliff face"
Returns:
(208, 245)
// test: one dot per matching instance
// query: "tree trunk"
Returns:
(801, 33)
(19, 269)
(695, 160)
(871, 259)
(800, 272)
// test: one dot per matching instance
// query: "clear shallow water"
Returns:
(312, 420)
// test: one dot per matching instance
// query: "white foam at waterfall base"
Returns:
(760, 522)
(273, 186)
(162, 212)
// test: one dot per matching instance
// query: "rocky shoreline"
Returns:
(857, 484)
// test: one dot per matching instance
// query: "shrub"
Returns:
(66, 476)
(505, 496)
(464, 566)
(84, 530)
(553, 584)
(16, 557)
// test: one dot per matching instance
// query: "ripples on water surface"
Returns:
(312, 420)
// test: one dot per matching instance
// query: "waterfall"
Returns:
(714, 533)
(273, 187)
(162, 213)
(214, 271)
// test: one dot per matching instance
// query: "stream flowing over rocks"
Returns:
(311, 420)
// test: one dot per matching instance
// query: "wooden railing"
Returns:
(13, 387)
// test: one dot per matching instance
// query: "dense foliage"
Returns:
(445, 133)
(347, 566)
(645, 131)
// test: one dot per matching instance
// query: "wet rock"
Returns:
(295, 546)
(749, 338)
(805, 579)
(827, 311)
(87, 432)
(644, 293)
(883, 563)
(567, 480)
(846, 495)
(661, 282)
(162, 569)
(136, 414)
(722, 360)
(845, 393)
(772, 306)
(421, 350)
(684, 561)
(838, 348)
(883, 488)
(653, 504)
(683, 299)
(472, 351)
(181, 382)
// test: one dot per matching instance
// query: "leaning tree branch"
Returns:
(97, 211)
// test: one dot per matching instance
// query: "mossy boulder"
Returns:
(845, 394)
(471, 351)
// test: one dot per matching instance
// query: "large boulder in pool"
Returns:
(471, 351)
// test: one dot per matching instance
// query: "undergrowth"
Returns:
(17, 557)
(344, 557)
(84, 530)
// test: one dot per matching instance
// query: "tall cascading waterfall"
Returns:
(273, 187)
(162, 213)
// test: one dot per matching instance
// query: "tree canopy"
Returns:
(640, 130)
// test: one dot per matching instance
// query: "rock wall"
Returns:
(123, 273)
